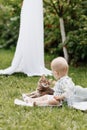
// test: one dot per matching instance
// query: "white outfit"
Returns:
(29, 55)
(74, 95)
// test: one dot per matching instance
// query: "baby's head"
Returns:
(59, 67)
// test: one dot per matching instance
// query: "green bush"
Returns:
(77, 46)
(9, 23)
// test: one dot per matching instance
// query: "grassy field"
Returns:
(14, 117)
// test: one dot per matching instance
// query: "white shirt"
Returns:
(72, 93)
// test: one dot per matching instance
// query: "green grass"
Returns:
(14, 117)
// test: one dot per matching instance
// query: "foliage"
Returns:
(77, 37)
(14, 117)
(52, 32)
(9, 22)
(79, 52)
(75, 17)
(75, 26)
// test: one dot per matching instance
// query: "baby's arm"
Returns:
(52, 102)
(59, 98)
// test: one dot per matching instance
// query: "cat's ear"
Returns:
(43, 76)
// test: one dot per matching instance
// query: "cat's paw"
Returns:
(26, 98)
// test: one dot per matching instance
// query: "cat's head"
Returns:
(43, 83)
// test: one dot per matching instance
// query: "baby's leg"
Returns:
(47, 100)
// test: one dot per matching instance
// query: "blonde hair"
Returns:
(60, 65)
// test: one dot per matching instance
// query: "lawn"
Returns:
(14, 117)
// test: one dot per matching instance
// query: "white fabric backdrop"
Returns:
(29, 54)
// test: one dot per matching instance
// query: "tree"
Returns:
(62, 9)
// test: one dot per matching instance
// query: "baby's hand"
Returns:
(54, 82)
(57, 98)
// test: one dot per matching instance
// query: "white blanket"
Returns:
(80, 105)
(22, 103)
(30, 104)
(77, 105)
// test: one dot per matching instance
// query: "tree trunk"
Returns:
(63, 35)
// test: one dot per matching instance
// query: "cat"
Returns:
(43, 87)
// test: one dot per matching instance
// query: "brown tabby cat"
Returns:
(42, 88)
